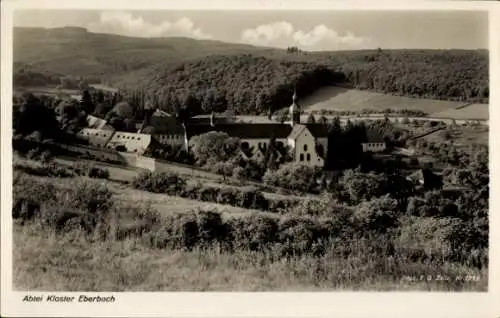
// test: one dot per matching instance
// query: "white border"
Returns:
(355, 304)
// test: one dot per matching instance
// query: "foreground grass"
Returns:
(48, 261)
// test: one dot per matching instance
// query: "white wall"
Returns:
(305, 148)
(96, 137)
(373, 146)
(133, 142)
(171, 140)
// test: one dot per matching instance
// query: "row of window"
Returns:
(127, 137)
(375, 144)
(96, 134)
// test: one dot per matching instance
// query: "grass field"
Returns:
(474, 111)
(462, 136)
(46, 261)
(69, 260)
(338, 98)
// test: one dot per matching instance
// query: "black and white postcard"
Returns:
(249, 158)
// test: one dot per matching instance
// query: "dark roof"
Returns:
(374, 135)
(318, 130)
(163, 125)
(244, 130)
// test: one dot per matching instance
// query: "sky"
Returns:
(309, 30)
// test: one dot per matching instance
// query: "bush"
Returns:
(255, 232)
(33, 153)
(187, 230)
(376, 216)
(96, 172)
(292, 176)
(160, 182)
(445, 239)
(25, 209)
(299, 236)
(46, 156)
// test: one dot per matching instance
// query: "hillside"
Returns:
(75, 51)
(244, 79)
(341, 99)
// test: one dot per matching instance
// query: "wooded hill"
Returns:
(212, 75)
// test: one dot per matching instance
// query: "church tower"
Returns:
(294, 110)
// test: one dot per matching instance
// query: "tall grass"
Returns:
(79, 238)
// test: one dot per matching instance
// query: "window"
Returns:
(301, 157)
(305, 147)
(308, 157)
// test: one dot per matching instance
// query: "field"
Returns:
(462, 136)
(48, 258)
(51, 91)
(474, 111)
(45, 261)
(341, 99)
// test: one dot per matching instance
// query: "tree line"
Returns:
(248, 84)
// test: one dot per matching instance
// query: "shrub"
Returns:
(33, 153)
(291, 176)
(134, 221)
(96, 172)
(376, 216)
(251, 198)
(25, 209)
(254, 232)
(298, 236)
(160, 182)
(429, 238)
(211, 227)
(45, 156)
(88, 195)
(227, 196)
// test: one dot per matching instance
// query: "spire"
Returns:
(212, 119)
(294, 109)
(294, 97)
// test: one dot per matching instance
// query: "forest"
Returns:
(247, 84)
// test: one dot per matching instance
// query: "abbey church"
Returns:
(305, 143)
(308, 142)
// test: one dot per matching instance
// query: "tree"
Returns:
(363, 186)
(86, 102)
(215, 146)
(32, 116)
(292, 176)
(322, 120)
(377, 215)
(311, 119)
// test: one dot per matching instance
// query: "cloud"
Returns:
(320, 37)
(124, 23)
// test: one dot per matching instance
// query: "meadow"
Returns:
(342, 99)
(79, 233)
(474, 111)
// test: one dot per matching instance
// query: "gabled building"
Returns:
(129, 142)
(308, 142)
(375, 142)
(164, 128)
(95, 137)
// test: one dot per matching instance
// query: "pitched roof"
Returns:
(296, 131)
(318, 130)
(244, 130)
(162, 123)
(95, 122)
(374, 135)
